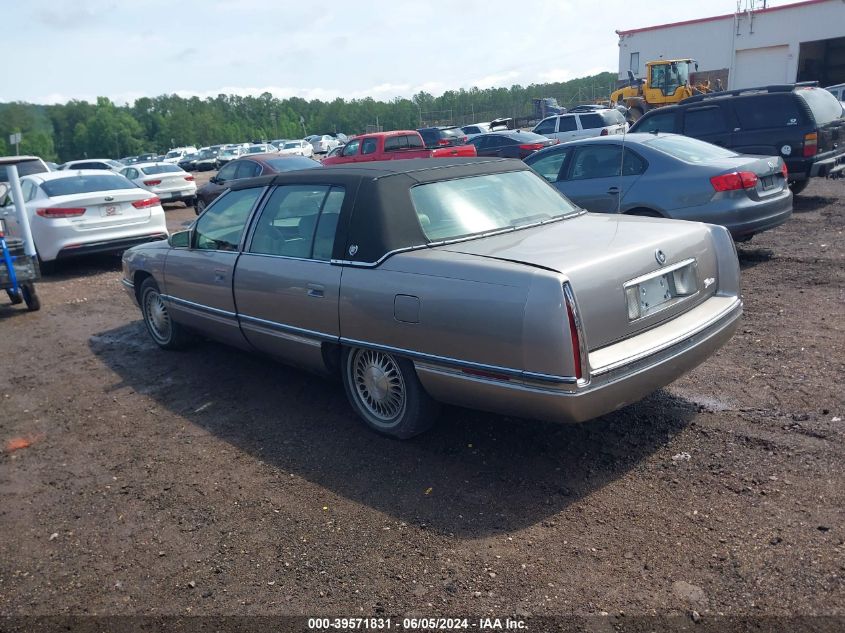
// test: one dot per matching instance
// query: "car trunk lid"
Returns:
(106, 208)
(610, 253)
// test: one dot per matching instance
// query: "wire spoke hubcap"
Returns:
(157, 316)
(378, 384)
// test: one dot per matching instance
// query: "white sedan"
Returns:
(88, 211)
(297, 148)
(169, 182)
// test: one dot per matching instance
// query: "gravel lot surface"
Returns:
(211, 481)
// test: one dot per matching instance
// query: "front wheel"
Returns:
(162, 329)
(386, 393)
(199, 207)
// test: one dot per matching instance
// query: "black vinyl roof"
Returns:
(378, 216)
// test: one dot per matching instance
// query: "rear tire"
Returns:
(797, 186)
(386, 393)
(166, 333)
(199, 207)
(30, 297)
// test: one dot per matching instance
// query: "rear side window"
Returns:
(823, 105)
(291, 222)
(85, 184)
(591, 121)
(769, 111)
(568, 124)
(702, 121)
(369, 146)
(414, 142)
(663, 122)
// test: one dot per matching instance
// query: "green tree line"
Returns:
(79, 129)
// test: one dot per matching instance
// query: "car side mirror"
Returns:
(215, 180)
(182, 239)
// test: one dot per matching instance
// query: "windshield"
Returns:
(257, 149)
(173, 154)
(452, 132)
(207, 153)
(689, 150)
(85, 184)
(457, 208)
(292, 145)
(229, 152)
(160, 169)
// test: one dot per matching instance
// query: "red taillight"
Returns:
(60, 212)
(443, 142)
(575, 341)
(784, 171)
(603, 132)
(144, 204)
(189, 178)
(532, 146)
(734, 181)
(811, 144)
(151, 183)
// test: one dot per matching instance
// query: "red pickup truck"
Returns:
(393, 146)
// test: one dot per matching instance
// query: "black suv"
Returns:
(442, 136)
(803, 124)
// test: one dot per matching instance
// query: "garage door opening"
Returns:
(822, 61)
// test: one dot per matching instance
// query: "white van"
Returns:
(837, 91)
(569, 127)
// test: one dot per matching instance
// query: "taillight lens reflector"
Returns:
(811, 144)
(144, 204)
(60, 212)
(734, 181)
(532, 146)
(784, 171)
(603, 132)
(189, 178)
(151, 183)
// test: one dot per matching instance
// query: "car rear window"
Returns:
(768, 111)
(452, 132)
(85, 184)
(689, 150)
(612, 117)
(160, 169)
(451, 209)
(291, 163)
(24, 169)
(823, 105)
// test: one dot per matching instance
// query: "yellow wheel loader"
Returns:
(667, 81)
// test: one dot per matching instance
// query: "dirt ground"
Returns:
(215, 482)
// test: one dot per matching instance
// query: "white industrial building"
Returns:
(756, 46)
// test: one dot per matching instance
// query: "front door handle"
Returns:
(316, 290)
(613, 190)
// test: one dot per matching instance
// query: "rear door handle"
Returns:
(316, 290)
(613, 190)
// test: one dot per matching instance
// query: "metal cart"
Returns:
(18, 260)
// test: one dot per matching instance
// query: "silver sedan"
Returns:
(466, 281)
(667, 175)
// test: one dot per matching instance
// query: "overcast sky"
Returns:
(124, 49)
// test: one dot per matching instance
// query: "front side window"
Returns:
(546, 126)
(351, 148)
(227, 173)
(298, 221)
(220, 228)
(464, 207)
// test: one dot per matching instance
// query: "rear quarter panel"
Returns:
(470, 308)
